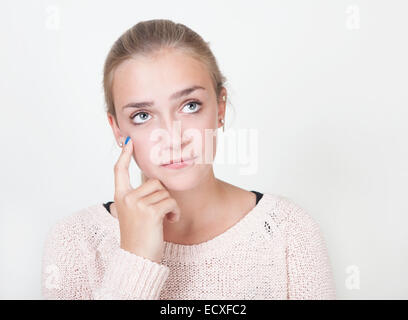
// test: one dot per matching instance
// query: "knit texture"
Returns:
(276, 251)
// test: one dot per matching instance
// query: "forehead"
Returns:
(158, 76)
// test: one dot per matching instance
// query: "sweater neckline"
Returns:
(212, 247)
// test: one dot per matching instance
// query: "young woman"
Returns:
(182, 233)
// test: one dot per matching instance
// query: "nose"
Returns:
(173, 129)
(174, 143)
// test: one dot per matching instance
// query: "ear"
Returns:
(221, 107)
(115, 128)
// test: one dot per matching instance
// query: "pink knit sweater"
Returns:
(276, 251)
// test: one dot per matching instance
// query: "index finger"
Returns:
(121, 169)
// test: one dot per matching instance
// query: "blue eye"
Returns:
(193, 103)
(137, 114)
(146, 115)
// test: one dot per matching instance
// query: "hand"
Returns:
(141, 211)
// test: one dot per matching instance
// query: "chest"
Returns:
(239, 274)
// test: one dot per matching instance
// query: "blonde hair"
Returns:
(147, 38)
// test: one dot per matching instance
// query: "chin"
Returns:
(179, 183)
(181, 180)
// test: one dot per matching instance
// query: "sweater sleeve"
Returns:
(310, 275)
(68, 274)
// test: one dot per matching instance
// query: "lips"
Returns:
(177, 161)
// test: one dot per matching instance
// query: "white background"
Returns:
(324, 83)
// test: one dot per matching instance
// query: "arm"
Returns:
(66, 273)
(309, 270)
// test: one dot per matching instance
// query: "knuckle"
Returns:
(128, 199)
(140, 204)
(164, 193)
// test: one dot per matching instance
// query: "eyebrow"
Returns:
(174, 96)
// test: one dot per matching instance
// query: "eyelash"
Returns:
(190, 102)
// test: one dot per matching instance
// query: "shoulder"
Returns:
(76, 225)
(286, 213)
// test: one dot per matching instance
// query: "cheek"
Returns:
(207, 120)
(141, 151)
(204, 137)
(203, 143)
(149, 153)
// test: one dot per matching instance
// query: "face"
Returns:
(165, 126)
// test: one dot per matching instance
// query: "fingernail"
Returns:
(127, 139)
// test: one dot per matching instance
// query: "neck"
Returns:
(198, 205)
